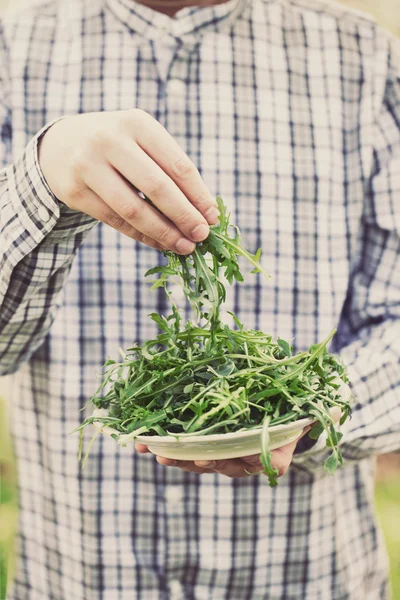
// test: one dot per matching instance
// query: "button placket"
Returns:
(176, 87)
(174, 496)
(165, 50)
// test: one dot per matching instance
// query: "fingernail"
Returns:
(184, 246)
(209, 464)
(212, 215)
(200, 232)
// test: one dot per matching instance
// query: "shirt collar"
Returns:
(189, 22)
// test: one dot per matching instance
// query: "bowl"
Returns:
(217, 446)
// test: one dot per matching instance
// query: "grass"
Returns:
(8, 521)
(387, 503)
(8, 503)
(387, 498)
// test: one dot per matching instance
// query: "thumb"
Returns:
(254, 459)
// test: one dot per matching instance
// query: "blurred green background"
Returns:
(8, 501)
(387, 13)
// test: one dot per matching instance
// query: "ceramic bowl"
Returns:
(217, 446)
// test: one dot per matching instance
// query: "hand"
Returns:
(234, 467)
(97, 162)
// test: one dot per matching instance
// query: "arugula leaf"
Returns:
(286, 347)
(266, 456)
(331, 464)
(316, 431)
(204, 378)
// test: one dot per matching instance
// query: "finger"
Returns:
(282, 457)
(194, 469)
(154, 139)
(233, 467)
(304, 432)
(167, 462)
(123, 200)
(142, 448)
(286, 450)
(140, 169)
(185, 465)
(253, 459)
(91, 204)
(336, 413)
(240, 468)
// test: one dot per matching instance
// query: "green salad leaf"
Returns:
(203, 377)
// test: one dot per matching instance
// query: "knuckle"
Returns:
(140, 237)
(185, 220)
(132, 120)
(164, 236)
(183, 168)
(100, 138)
(79, 162)
(131, 212)
(115, 221)
(137, 113)
(203, 201)
(135, 118)
(155, 187)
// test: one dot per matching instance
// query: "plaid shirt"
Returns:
(291, 111)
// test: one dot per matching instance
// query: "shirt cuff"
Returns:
(38, 210)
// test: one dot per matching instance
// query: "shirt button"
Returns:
(173, 495)
(43, 214)
(175, 588)
(177, 89)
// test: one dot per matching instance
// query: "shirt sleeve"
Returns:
(39, 237)
(368, 338)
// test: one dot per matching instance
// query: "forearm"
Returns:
(373, 364)
(39, 238)
(368, 337)
(374, 368)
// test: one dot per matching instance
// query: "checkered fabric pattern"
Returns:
(291, 110)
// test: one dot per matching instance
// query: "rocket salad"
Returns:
(203, 377)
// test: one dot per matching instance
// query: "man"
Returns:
(290, 109)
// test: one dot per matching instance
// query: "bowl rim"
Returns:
(201, 439)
